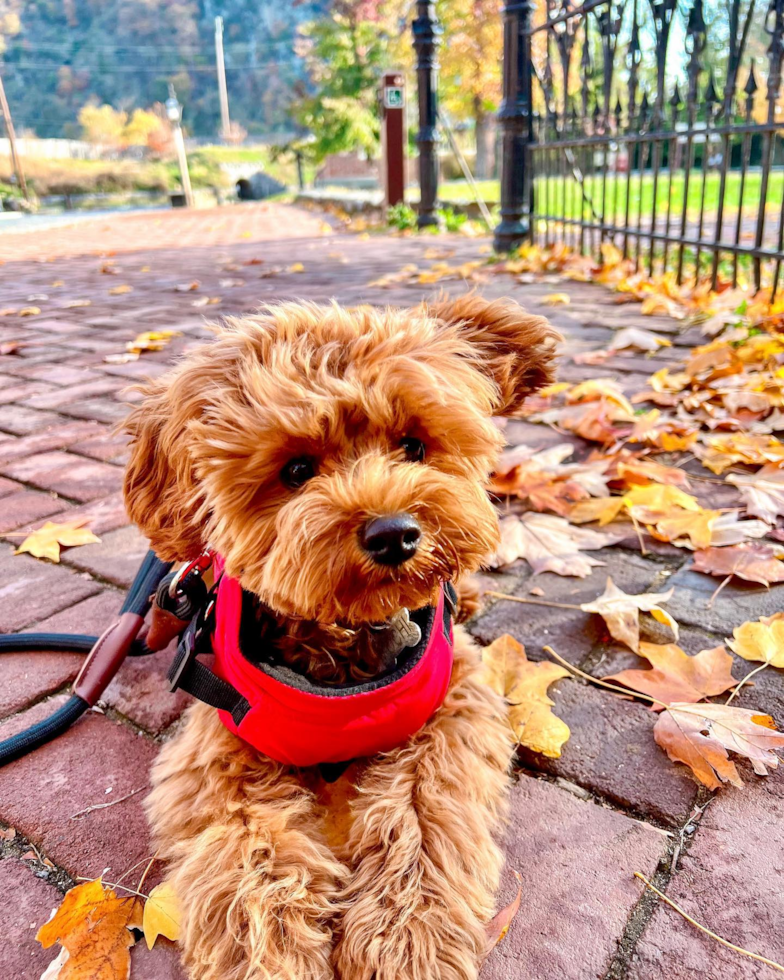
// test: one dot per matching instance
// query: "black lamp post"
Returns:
(426, 40)
(515, 119)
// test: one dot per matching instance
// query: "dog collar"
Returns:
(290, 718)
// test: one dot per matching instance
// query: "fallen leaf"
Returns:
(621, 612)
(29, 311)
(687, 528)
(296, 267)
(763, 641)
(751, 562)
(76, 303)
(162, 914)
(497, 928)
(549, 544)
(556, 299)
(601, 509)
(94, 925)
(207, 301)
(524, 684)
(699, 735)
(151, 340)
(187, 287)
(677, 677)
(11, 347)
(636, 337)
(124, 358)
(120, 290)
(763, 492)
(644, 471)
(231, 283)
(46, 541)
(7, 834)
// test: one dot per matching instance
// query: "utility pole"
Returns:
(174, 112)
(9, 128)
(222, 92)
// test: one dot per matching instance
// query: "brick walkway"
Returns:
(582, 825)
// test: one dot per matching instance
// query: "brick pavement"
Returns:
(581, 825)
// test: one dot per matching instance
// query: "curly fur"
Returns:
(404, 892)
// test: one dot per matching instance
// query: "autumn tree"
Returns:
(345, 52)
(471, 58)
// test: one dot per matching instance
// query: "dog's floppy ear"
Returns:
(517, 349)
(161, 494)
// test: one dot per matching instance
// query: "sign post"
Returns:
(393, 103)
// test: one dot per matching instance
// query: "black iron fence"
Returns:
(656, 126)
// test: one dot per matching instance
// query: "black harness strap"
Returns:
(189, 674)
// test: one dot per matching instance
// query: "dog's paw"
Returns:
(384, 942)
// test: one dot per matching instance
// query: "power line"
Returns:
(119, 69)
(24, 45)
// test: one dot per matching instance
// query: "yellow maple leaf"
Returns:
(93, 925)
(661, 498)
(524, 685)
(162, 914)
(601, 509)
(45, 542)
(30, 311)
(556, 299)
(696, 527)
(296, 267)
(763, 641)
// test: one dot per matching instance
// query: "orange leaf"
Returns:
(675, 676)
(699, 735)
(497, 928)
(93, 925)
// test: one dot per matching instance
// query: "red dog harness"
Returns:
(288, 717)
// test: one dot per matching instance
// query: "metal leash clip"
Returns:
(196, 567)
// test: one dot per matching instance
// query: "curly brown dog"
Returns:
(277, 446)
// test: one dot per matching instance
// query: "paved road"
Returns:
(580, 825)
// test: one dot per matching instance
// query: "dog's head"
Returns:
(336, 458)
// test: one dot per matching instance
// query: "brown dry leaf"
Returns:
(187, 287)
(30, 311)
(720, 452)
(120, 290)
(751, 562)
(675, 676)
(763, 493)
(763, 641)
(699, 735)
(549, 544)
(497, 928)
(524, 685)
(93, 925)
(162, 914)
(621, 612)
(11, 347)
(207, 301)
(45, 542)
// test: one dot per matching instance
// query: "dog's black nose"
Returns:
(392, 539)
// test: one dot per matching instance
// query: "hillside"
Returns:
(60, 54)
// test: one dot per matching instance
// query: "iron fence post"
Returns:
(515, 119)
(427, 31)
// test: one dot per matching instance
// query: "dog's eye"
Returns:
(414, 449)
(298, 471)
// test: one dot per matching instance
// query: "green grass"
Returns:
(565, 195)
